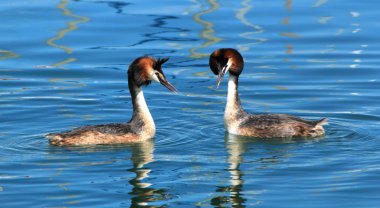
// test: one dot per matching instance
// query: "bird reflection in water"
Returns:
(235, 147)
(142, 192)
(272, 153)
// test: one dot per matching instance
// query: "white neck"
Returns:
(232, 93)
(233, 107)
(141, 113)
(141, 106)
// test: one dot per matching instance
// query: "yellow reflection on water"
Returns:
(241, 16)
(289, 48)
(208, 32)
(71, 26)
(4, 54)
(291, 35)
(64, 62)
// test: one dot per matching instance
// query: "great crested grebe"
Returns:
(237, 121)
(141, 127)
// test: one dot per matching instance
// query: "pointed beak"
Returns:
(167, 84)
(222, 71)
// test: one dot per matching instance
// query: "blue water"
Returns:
(63, 65)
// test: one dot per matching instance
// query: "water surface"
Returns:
(63, 65)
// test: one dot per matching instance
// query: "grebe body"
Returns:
(237, 121)
(141, 127)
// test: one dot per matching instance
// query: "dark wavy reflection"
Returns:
(160, 22)
(118, 5)
(142, 193)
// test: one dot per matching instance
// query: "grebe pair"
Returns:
(237, 121)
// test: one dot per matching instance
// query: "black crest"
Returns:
(159, 62)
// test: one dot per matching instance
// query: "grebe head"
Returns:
(226, 59)
(146, 69)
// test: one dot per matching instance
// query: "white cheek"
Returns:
(154, 77)
(229, 64)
